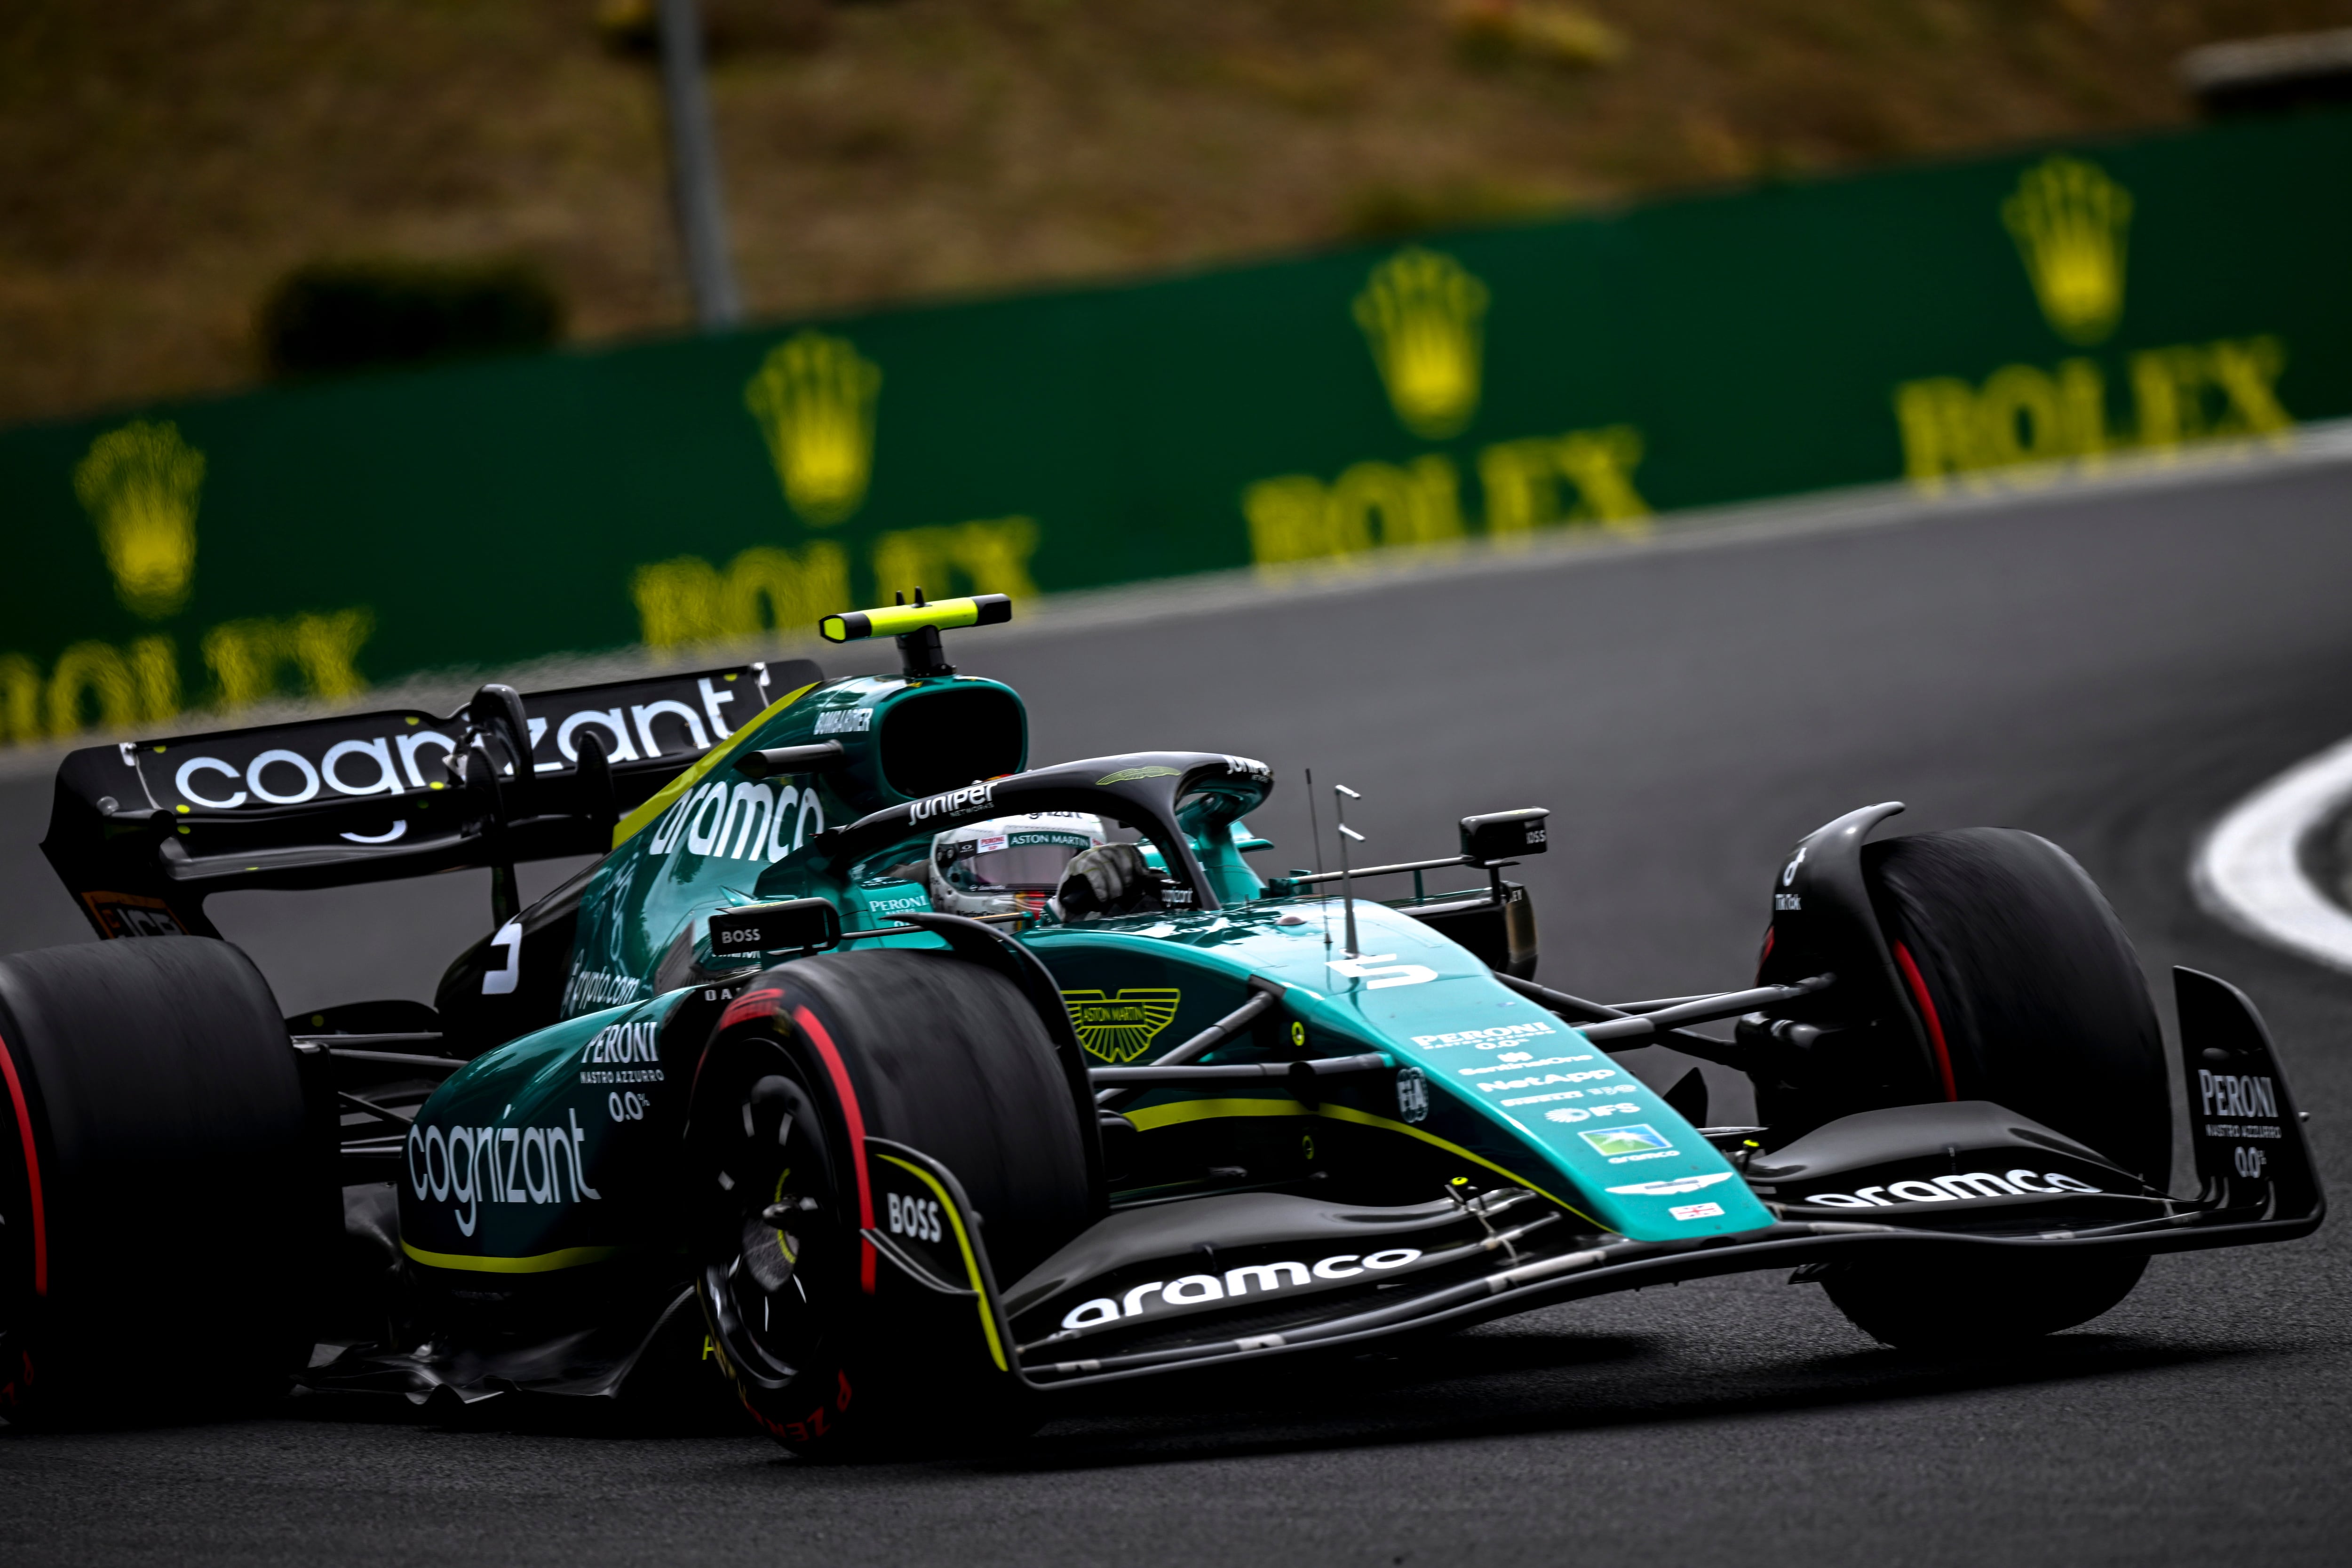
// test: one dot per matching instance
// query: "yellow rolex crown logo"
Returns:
(1423, 315)
(139, 485)
(1120, 1028)
(2069, 220)
(813, 397)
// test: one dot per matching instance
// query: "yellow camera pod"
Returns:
(897, 620)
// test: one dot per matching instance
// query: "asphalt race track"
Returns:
(2108, 668)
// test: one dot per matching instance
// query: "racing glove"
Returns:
(1109, 879)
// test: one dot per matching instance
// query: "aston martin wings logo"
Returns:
(1120, 1028)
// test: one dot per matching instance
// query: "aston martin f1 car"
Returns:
(741, 1099)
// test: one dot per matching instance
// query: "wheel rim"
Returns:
(775, 1290)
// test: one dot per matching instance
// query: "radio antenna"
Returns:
(1340, 796)
(1314, 832)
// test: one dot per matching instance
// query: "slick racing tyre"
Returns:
(2032, 998)
(2028, 987)
(1940, 1303)
(924, 1050)
(168, 1199)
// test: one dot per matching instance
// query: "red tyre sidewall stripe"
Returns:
(1927, 1006)
(833, 1064)
(749, 1006)
(33, 1173)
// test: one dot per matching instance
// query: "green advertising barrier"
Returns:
(1966, 325)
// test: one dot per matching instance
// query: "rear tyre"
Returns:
(2032, 998)
(924, 1050)
(169, 1200)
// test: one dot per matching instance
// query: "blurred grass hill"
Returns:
(166, 166)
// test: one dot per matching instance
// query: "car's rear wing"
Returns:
(143, 831)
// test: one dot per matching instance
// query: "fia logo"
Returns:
(1412, 1095)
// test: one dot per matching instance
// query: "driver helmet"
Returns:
(1008, 863)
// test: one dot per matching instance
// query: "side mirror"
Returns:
(792, 925)
(1504, 835)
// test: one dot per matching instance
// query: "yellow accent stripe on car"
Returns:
(971, 1263)
(669, 793)
(1209, 1110)
(538, 1263)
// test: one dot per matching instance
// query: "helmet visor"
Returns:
(1020, 862)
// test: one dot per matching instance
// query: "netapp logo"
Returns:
(1955, 1189)
(2228, 1094)
(1484, 1039)
(1196, 1289)
(1589, 1074)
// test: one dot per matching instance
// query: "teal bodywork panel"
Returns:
(550, 1151)
(713, 840)
(1477, 1068)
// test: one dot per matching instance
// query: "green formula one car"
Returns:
(912, 1087)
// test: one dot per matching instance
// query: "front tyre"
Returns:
(1974, 1302)
(2032, 998)
(924, 1050)
(2031, 991)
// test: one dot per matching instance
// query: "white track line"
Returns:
(2249, 870)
